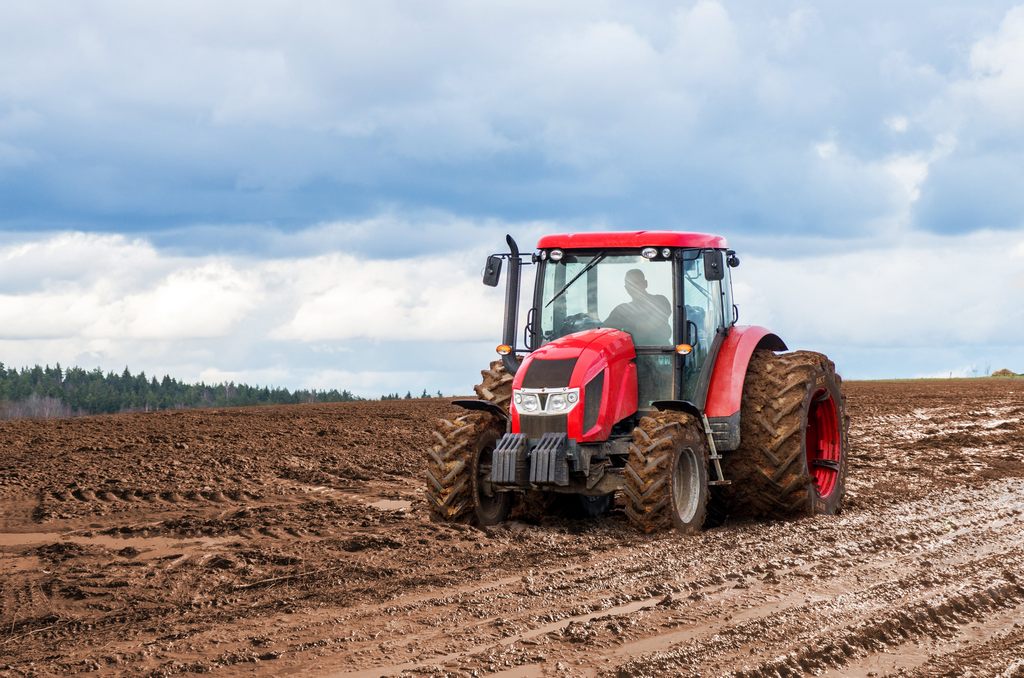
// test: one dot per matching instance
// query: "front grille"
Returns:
(549, 373)
(534, 427)
(592, 401)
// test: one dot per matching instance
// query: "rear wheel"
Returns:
(793, 438)
(666, 474)
(459, 468)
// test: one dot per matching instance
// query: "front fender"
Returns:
(482, 406)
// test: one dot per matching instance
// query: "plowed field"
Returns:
(294, 540)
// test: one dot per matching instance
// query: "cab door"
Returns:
(703, 321)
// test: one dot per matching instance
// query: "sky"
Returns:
(302, 194)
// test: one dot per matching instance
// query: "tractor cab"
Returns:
(670, 292)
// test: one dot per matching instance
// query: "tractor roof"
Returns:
(631, 239)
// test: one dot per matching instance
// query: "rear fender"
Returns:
(725, 392)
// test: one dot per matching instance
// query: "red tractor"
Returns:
(634, 378)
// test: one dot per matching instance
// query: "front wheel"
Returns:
(458, 487)
(667, 474)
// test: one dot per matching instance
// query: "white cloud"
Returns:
(111, 287)
(202, 301)
(341, 297)
(909, 173)
(107, 259)
(911, 291)
(705, 45)
(826, 150)
(897, 124)
(108, 287)
(112, 301)
(997, 69)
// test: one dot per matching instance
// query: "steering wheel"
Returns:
(578, 322)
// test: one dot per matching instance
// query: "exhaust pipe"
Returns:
(508, 336)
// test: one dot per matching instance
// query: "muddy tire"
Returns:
(496, 386)
(793, 439)
(458, 471)
(667, 474)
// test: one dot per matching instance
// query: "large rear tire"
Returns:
(667, 474)
(458, 471)
(793, 439)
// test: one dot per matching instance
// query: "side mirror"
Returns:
(714, 266)
(492, 270)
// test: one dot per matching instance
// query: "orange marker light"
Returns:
(684, 349)
(503, 349)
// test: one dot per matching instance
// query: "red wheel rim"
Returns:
(824, 451)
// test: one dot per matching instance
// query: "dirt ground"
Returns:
(293, 540)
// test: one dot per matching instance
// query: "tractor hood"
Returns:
(580, 384)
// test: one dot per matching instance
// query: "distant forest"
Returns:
(44, 392)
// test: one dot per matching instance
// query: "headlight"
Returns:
(529, 402)
(557, 403)
(544, 401)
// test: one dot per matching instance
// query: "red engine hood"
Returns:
(604, 354)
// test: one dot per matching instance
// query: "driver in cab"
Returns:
(645, 316)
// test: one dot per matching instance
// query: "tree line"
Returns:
(56, 391)
(409, 396)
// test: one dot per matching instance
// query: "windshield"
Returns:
(624, 291)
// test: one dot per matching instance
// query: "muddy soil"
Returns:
(293, 540)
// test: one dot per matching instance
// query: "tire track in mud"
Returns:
(981, 647)
(85, 495)
(806, 640)
(913, 540)
(707, 604)
(638, 581)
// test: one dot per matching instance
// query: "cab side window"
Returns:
(702, 300)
